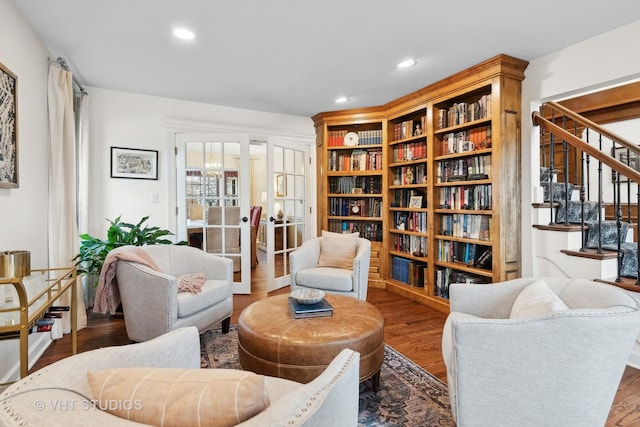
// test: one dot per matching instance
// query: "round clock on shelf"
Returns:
(355, 208)
(351, 139)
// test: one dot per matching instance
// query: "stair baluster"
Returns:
(567, 196)
(599, 250)
(638, 232)
(618, 215)
(552, 171)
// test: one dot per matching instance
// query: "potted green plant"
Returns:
(93, 251)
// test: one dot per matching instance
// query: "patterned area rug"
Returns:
(408, 395)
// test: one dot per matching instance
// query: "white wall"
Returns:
(130, 120)
(603, 61)
(23, 210)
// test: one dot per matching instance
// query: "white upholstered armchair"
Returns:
(517, 354)
(151, 302)
(309, 271)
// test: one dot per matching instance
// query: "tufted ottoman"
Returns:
(272, 342)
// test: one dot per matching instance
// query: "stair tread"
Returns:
(626, 283)
(559, 227)
(590, 253)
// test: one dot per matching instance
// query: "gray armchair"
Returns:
(151, 302)
(305, 272)
(556, 369)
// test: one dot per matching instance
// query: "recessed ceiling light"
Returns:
(406, 63)
(183, 34)
(341, 100)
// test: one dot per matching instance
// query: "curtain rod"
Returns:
(60, 61)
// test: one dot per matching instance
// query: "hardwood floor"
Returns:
(411, 328)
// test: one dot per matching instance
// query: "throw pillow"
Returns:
(338, 250)
(535, 300)
(186, 397)
(191, 282)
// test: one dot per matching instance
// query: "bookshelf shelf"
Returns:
(448, 152)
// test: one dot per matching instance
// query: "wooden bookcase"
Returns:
(454, 146)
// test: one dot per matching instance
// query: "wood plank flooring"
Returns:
(411, 328)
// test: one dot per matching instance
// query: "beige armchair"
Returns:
(532, 359)
(306, 273)
(60, 395)
(151, 302)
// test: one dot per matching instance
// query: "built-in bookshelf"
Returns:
(407, 184)
(445, 203)
(354, 179)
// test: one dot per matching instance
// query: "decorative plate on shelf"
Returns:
(351, 139)
(307, 296)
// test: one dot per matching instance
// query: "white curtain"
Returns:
(62, 221)
(82, 145)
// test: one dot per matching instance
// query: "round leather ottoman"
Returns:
(272, 342)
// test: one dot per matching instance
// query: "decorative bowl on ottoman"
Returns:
(307, 296)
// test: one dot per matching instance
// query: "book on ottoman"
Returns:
(301, 311)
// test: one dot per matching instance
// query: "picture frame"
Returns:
(628, 157)
(134, 163)
(281, 185)
(415, 202)
(9, 126)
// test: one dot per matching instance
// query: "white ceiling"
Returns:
(295, 56)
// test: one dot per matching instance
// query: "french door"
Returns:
(289, 212)
(213, 198)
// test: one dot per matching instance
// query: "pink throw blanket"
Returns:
(108, 295)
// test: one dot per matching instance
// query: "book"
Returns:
(53, 315)
(301, 311)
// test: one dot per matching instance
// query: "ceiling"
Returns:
(296, 57)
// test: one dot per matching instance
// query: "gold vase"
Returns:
(15, 264)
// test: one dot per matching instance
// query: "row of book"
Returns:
(347, 206)
(402, 198)
(410, 221)
(409, 151)
(347, 184)
(446, 276)
(470, 254)
(408, 271)
(410, 244)
(415, 174)
(470, 197)
(468, 226)
(365, 137)
(356, 160)
(368, 229)
(49, 322)
(464, 112)
(468, 140)
(408, 128)
(466, 169)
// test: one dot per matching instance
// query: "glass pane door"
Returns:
(288, 211)
(213, 198)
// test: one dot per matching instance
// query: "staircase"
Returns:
(576, 238)
(575, 235)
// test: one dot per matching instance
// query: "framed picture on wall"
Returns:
(134, 163)
(626, 156)
(8, 128)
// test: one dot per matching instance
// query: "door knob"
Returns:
(272, 219)
(245, 219)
